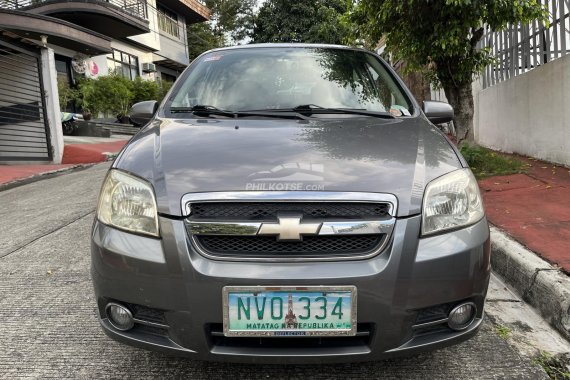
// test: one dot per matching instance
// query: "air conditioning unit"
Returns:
(149, 68)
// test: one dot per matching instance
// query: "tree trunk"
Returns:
(461, 98)
(415, 81)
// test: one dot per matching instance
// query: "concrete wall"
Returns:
(528, 114)
(174, 48)
(49, 78)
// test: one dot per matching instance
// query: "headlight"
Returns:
(128, 203)
(451, 201)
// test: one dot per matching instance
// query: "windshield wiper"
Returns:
(203, 110)
(310, 109)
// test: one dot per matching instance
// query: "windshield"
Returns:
(284, 78)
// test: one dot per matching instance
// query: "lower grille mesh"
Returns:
(269, 245)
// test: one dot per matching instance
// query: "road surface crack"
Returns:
(46, 234)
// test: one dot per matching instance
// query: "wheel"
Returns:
(68, 128)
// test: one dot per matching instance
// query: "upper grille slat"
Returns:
(269, 210)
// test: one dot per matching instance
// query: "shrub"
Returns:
(85, 95)
(113, 94)
(165, 87)
(145, 90)
(486, 163)
(65, 93)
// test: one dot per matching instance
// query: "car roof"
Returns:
(289, 45)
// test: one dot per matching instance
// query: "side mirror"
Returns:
(141, 113)
(438, 112)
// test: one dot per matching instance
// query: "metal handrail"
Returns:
(137, 8)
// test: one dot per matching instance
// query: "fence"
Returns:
(523, 47)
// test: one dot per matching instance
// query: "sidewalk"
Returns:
(534, 210)
(89, 150)
(78, 151)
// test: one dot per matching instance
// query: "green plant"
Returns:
(145, 90)
(85, 95)
(65, 93)
(113, 94)
(503, 331)
(318, 21)
(486, 163)
(555, 366)
(164, 88)
(110, 94)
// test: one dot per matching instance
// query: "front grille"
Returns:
(269, 210)
(227, 229)
(270, 246)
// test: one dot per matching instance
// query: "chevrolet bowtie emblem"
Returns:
(289, 228)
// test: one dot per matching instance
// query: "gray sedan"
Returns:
(290, 203)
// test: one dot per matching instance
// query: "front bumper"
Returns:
(410, 277)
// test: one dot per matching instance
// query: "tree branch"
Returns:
(476, 37)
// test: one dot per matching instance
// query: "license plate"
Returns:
(289, 311)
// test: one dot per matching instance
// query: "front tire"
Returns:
(68, 127)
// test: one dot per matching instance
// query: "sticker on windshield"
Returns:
(402, 110)
(216, 57)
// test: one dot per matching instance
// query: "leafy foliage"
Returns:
(65, 93)
(439, 38)
(201, 38)
(142, 90)
(114, 94)
(503, 331)
(556, 366)
(319, 21)
(231, 21)
(487, 163)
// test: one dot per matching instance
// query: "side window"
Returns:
(384, 92)
(388, 90)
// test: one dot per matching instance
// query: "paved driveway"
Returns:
(49, 329)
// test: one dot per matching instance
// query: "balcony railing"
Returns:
(136, 8)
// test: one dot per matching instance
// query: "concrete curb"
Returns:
(540, 284)
(42, 175)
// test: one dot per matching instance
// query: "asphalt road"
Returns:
(49, 329)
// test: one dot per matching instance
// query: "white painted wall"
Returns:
(528, 114)
(150, 39)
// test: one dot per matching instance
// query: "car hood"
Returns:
(358, 154)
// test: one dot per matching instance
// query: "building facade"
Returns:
(43, 41)
(148, 37)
